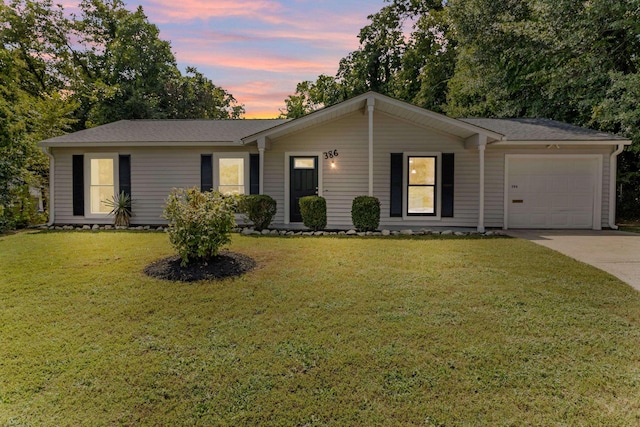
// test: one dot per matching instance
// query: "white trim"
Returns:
(262, 143)
(87, 181)
(261, 171)
(52, 176)
(405, 182)
(356, 103)
(95, 144)
(481, 150)
(597, 202)
(231, 155)
(563, 142)
(287, 177)
(370, 104)
(613, 174)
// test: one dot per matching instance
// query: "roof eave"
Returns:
(564, 142)
(75, 144)
(348, 107)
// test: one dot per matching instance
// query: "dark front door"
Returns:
(304, 182)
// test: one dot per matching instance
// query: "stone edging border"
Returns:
(249, 231)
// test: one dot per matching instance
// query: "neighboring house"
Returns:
(428, 170)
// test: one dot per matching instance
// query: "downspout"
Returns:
(481, 149)
(370, 104)
(52, 164)
(262, 143)
(613, 172)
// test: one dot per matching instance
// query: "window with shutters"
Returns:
(421, 189)
(422, 184)
(101, 182)
(231, 173)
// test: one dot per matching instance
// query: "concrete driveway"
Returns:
(615, 252)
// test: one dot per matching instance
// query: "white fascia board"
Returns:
(571, 142)
(142, 144)
(304, 121)
(441, 117)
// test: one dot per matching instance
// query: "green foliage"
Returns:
(199, 223)
(522, 336)
(414, 68)
(314, 212)
(61, 72)
(21, 211)
(365, 213)
(120, 205)
(128, 72)
(258, 209)
(577, 62)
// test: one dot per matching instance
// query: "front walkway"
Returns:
(615, 252)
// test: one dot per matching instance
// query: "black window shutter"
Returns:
(124, 173)
(396, 184)
(77, 172)
(206, 172)
(254, 174)
(447, 184)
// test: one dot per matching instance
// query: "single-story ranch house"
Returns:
(427, 169)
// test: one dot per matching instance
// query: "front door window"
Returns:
(304, 182)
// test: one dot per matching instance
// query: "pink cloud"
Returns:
(252, 61)
(185, 10)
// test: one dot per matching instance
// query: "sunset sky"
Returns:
(258, 50)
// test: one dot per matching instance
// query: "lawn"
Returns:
(326, 331)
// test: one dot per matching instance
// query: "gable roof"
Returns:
(165, 132)
(382, 103)
(245, 131)
(544, 131)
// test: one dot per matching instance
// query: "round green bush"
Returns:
(314, 212)
(199, 223)
(365, 213)
(258, 209)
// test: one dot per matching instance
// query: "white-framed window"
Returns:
(231, 173)
(101, 182)
(421, 185)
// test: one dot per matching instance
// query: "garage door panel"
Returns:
(552, 192)
(581, 201)
(558, 184)
(559, 202)
(582, 220)
(560, 220)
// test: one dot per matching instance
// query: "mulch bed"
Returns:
(226, 264)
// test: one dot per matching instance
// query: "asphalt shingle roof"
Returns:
(169, 131)
(540, 130)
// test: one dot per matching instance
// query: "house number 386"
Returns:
(330, 154)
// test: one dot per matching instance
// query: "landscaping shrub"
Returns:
(314, 212)
(199, 223)
(20, 209)
(120, 205)
(365, 213)
(258, 209)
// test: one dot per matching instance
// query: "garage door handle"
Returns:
(517, 201)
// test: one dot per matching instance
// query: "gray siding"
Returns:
(351, 176)
(154, 172)
(495, 175)
(349, 136)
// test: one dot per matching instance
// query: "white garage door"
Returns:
(553, 192)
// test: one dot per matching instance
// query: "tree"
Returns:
(59, 74)
(31, 105)
(194, 96)
(414, 66)
(311, 96)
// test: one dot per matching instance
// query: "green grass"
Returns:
(630, 228)
(326, 331)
